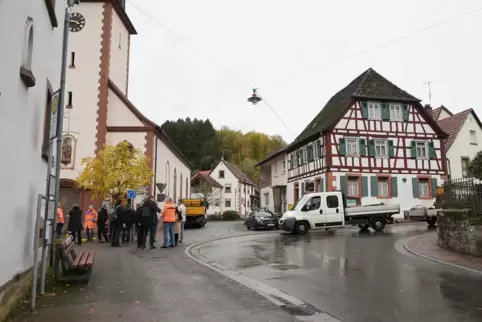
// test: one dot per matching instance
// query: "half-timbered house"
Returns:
(373, 141)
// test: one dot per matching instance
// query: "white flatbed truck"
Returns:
(324, 210)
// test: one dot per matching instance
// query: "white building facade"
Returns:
(238, 192)
(373, 141)
(98, 109)
(464, 141)
(273, 183)
(30, 59)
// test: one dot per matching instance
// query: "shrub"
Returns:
(230, 215)
(215, 217)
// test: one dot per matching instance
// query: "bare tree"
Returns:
(206, 192)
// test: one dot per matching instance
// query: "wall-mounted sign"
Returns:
(54, 115)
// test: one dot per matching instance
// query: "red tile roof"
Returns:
(436, 113)
(452, 125)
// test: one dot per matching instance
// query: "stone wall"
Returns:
(460, 231)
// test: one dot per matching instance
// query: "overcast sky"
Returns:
(298, 53)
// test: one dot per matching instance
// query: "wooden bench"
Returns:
(76, 266)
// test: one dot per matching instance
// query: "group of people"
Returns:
(121, 221)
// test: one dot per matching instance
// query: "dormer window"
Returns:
(374, 111)
(396, 112)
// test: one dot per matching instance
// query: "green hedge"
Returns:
(228, 215)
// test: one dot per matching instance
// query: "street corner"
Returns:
(425, 246)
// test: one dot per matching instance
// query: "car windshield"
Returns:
(300, 203)
(262, 214)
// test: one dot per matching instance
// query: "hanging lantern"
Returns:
(254, 99)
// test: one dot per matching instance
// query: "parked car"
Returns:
(261, 219)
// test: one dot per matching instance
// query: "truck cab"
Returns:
(329, 210)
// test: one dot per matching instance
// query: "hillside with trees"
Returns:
(204, 145)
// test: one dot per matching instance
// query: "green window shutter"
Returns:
(394, 187)
(342, 146)
(391, 149)
(431, 150)
(343, 184)
(364, 110)
(318, 147)
(372, 148)
(363, 147)
(414, 150)
(416, 193)
(434, 187)
(405, 112)
(385, 112)
(364, 186)
(321, 187)
(374, 186)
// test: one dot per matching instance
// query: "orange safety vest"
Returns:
(169, 212)
(90, 219)
(60, 216)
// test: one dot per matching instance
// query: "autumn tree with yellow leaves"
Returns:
(114, 170)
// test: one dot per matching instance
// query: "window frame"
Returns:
(357, 147)
(332, 197)
(424, 181)
(226, 186)
(384, 145)
(358, 184)
(474, 141)
(389, 186)
(396, 112)
(219, 174)
(226, 200)
(371, 108)
(425, 146)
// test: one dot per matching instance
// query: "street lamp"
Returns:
(254, 98)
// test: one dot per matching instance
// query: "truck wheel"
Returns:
(378, 224)
(364, 227)
(302, 227)
(431, 221)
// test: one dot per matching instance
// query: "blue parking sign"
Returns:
(131, 194)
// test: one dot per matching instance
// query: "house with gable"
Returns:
(464, 131)
(239, 191)
(273, 176)
(373, 141)
(203, 186)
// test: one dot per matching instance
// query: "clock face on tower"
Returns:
(77, 22)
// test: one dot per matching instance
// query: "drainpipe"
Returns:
(449, 168)
(155, 169)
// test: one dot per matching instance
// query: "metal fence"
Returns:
(463, 193)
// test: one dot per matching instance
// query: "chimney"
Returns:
(428, 109)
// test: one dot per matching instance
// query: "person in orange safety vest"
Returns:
(90, 220)
(169, 218)
(60, 220)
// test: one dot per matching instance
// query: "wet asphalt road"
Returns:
(354, 276)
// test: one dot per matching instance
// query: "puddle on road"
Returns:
(284, 267)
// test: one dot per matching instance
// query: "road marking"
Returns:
(274, 295)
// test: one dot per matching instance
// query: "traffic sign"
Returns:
(54, 115)
(131, 194)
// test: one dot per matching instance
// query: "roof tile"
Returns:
(452, 125)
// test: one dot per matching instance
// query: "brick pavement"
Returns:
(426, 246)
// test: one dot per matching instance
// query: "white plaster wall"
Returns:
(23, 172)
(82, 81)
(279, 177)
(263, 202)
(166, 159)
(118, 114)
(229, 178)
(461, 147)
(443, 115)
(119, 50)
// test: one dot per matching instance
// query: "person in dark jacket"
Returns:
(137, 221)
(116, 223)
(128, 219)
(103, 216)
(149, 221)
(75, 224)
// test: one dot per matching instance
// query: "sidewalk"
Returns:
(129, 284)
(426, 246)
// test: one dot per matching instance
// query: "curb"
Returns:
(439, 261)
(275, 296)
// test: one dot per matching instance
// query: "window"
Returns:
(424, 188)
(305, 155)
(266, 199)
(374, 111)
(227, 203)
(275, 169)
(353, 187)
(309, 152)
(313, 204)
(396, 112)
(283, 165)
(381, 148)
(46, 130)
(421, 150)
(299, 156)
(465, 162)
(383, 187)
(216, 203)
(72, 60)
(227, 188)
(28, 44)
(332, 202)
(221, 174)
(473, 137)
(69, 100)
(352, 147)
(187, 188)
